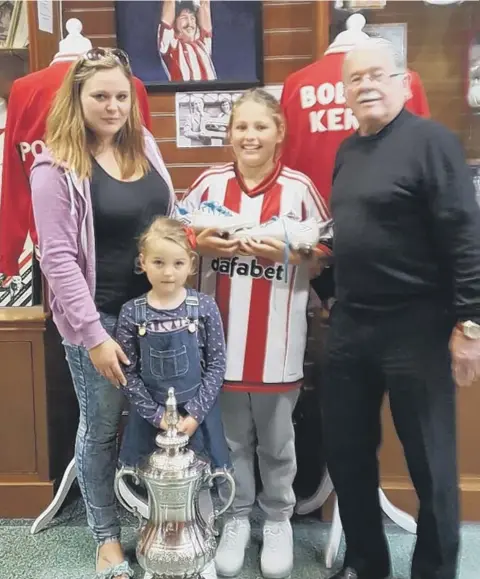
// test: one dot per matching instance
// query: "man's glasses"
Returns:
(98, 53)
(376, 77)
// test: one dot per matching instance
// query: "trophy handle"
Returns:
(125, 471)
(227, 476)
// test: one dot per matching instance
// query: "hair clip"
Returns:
(191, 236)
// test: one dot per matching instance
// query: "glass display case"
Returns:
(441, 42)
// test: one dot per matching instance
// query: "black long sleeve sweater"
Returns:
(406, 221)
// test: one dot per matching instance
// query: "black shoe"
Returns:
(350, 573)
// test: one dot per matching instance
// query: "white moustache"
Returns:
(368, 96)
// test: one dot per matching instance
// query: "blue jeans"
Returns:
(101, 406)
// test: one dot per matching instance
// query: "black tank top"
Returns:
(121, 212)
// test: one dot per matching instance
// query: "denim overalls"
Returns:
(170, 356)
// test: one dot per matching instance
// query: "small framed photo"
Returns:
(8, 14)
(394, 33)
(185, 45)
(203, 118)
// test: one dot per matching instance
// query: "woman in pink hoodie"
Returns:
(98, 186)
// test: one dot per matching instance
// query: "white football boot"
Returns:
(298, 234)
(213, 215)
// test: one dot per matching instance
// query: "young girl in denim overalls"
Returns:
(173, 337)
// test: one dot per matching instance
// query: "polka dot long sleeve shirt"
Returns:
(211, 342)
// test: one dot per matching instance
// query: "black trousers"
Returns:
(403, 352)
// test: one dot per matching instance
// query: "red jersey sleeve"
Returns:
(15, 201)
(143, 103)
(418, 103)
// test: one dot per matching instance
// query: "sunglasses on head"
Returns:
(99, 53)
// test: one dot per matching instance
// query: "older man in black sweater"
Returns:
(407, 279)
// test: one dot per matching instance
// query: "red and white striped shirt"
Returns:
(264, 316)
(185, 60)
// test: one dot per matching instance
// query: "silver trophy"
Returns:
(176, 542)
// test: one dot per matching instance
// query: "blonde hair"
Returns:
(69, 139)
(262, 97)
(165, 228)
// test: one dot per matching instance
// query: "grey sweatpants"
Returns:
(261, 423)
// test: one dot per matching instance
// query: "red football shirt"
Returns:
(28, 106)
(318, 121)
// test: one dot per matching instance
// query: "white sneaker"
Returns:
(231, 549)
(276, 560)
(298, 234)
(209, 572)
(212, 214)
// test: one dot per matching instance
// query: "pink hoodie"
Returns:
(63, 213)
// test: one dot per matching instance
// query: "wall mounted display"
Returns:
(394, 33)
(202, 117)
(13, 24)
(7, 9)
(180, 45)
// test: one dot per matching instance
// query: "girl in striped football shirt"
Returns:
(262, 297)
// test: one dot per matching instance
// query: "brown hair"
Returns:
(165, 228)
(262, 97)
(67, 136)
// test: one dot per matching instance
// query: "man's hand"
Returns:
(188, 425)
(106, 358)
(211, 244)
(465, 358)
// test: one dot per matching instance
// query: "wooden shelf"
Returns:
(22, 314)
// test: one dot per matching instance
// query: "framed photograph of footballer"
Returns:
(189, 45)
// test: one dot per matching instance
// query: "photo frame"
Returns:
(394, 33)
(8, 14)
(202, 118)
(193, 45)
(18, 33)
